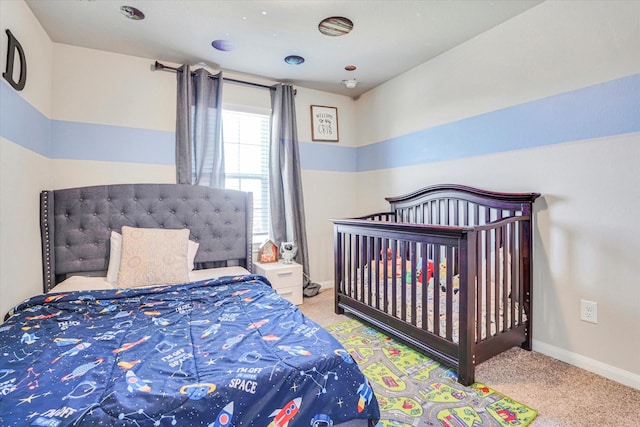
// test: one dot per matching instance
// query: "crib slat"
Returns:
(358, 259)
(456, 213)
(394, 289)
(479, 287)
(365, 286)
(488, 285)
(414, 285)
(375, 273)
(436, 290)
(523, 275)
(449, 294)
(339, 266)
(453, 270)
(357, 253)
(425, 287)
(501, 281)
(497, 294)
(465, 205)
(497, 305)
(514, 292)
(403, 279)
(385, 288)
(350, 268)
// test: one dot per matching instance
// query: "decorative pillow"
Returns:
(116, 253)
(153, 256)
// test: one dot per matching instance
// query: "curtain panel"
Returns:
(285, 182)
(199, 145)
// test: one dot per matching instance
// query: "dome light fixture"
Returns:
(350, 84)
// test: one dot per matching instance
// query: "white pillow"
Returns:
(116, 254)
(153, 256)
(114, 257)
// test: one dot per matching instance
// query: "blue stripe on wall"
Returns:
(610, 108)
(606, 109)
(87, 141)
(327, 157)
(21, 123)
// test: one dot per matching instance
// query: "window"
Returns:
(246, 154)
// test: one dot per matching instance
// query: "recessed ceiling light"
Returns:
(335, 26)
(223, 45)
(294, 60)
(132, 13)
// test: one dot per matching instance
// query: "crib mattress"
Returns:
(489, 312)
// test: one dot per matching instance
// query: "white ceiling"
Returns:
(388, 38)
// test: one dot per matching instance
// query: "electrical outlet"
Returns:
(589, 311)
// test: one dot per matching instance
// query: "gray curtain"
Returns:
(285, 192)
(199, 145)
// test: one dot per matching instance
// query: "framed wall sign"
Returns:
(324, 123)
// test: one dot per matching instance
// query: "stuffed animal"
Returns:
(288, 251)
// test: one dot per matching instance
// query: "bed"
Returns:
(447, 270)
(182, 337)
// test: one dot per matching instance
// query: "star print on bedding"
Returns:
(223, 352)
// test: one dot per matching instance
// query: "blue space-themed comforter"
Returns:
(224, 352)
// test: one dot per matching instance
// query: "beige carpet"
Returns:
(565, 396)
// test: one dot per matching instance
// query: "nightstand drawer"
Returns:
(286, 279)
(291, 293)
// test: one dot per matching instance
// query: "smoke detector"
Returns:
(350, 84)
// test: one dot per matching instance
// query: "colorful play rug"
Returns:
(414, 390)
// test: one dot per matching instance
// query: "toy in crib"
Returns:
(430, 270)
(407, 267)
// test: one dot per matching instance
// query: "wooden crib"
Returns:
(446, 270)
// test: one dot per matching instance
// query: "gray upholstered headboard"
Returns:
(76, 223)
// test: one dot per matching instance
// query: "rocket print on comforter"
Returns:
(224, 352)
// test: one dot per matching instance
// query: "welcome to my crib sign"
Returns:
(324, 123)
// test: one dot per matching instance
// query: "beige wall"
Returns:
(23, 173)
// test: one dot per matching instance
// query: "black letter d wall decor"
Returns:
(12, 47)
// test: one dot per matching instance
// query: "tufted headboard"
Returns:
(76, 224)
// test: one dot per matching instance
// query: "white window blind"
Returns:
(246, 153)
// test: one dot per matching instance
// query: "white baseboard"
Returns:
(611, 372)
(326, 285)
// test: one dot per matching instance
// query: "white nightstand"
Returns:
(286, 279)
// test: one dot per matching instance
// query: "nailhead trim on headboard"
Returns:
(46, 246)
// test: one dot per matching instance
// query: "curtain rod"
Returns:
(162, 67)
